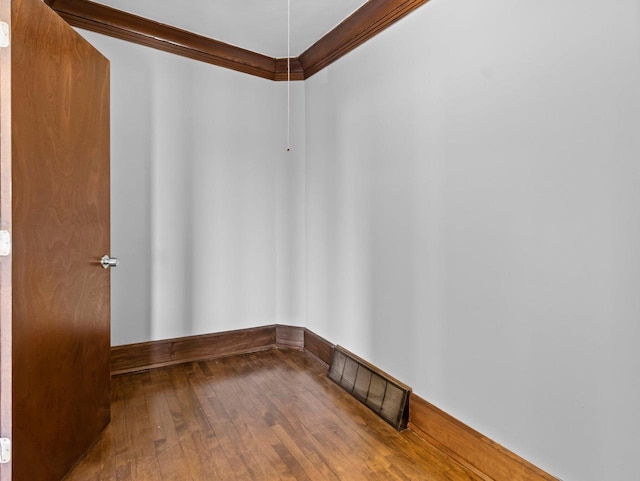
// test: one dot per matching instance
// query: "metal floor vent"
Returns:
(381, 393)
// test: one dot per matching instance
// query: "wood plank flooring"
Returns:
(270, 415)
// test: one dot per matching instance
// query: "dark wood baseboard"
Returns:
(486, 458)
(290, 337)
(318, 346)
(153, 354)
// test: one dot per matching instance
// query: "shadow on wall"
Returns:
(194, 149)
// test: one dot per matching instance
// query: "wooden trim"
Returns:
(281, 69)
(289, 337)
(125, 26)
(153, 354)
(318, 346)
(366, 22)
(486, 458)
(369, 20)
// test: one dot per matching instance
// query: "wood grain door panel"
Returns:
(61, 294)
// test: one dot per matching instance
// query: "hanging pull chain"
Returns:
(288, 75)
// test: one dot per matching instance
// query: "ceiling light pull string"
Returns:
(288, 75)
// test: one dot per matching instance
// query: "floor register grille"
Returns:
(381, 393)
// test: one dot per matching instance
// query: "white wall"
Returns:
(290, 216)
(203, 197)
(473, 220)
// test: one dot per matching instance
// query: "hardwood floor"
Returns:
(264, 416)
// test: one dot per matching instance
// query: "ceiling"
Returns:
(257, 25)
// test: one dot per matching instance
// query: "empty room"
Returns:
(319, 240)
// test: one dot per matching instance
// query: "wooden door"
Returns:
(60, 294)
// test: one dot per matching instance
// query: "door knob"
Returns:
(107, 261)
